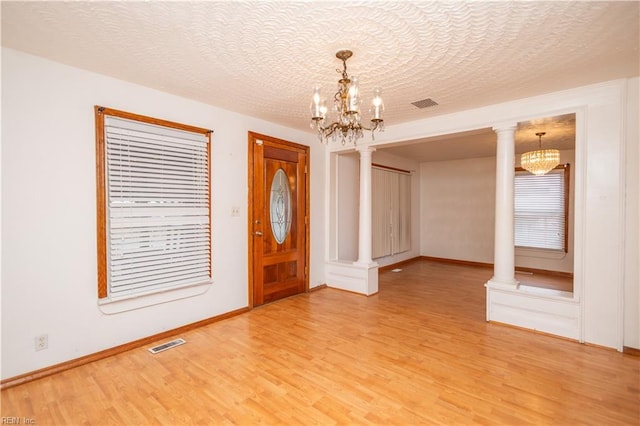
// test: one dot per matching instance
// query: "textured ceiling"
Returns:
(559, 134)
(262, 58)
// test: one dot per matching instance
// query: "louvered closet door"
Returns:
(382, 204)
(158, 207)
(391, 212)
(404, 212)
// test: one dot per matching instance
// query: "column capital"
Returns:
(364, 149)
(504, 127)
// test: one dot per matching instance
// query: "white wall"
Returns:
(348, 196)
(458, 214)
(457, 209)
(632, 242)
(49, 214)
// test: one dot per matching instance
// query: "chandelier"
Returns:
(346, 106)
(542, 161)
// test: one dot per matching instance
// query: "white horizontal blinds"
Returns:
(159, 228)
(540, 210)
(391, 212)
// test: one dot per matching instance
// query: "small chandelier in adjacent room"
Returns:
(346, 103)
(542, 161)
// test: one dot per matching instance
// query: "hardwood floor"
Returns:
(419, 352)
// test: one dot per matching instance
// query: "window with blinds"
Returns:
(541, 205)
(391, 211)
(154, 208)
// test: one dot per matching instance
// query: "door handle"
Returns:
(258, 233)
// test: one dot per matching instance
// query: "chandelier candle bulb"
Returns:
(377, 106)
(317, 110)
(353, 100)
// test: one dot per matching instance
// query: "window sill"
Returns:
(548, 292)
(541, 253)
(109, 306)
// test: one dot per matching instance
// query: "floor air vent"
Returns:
(165, 346)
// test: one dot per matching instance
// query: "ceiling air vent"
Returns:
(165, 346)
(425, 103)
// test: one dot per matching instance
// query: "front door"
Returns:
(278, 218)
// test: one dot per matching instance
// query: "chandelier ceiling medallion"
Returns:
(346, 107)
(542, 161)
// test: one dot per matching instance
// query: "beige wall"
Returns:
(457, 209)
(457, 200)
(348, 194)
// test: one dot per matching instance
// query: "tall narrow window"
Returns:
(541, 209)
(154, 206)
(391, 211)
(280, 210)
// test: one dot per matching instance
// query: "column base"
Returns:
(535, 310)
(502, 284)
(352, 276)
(370, 264)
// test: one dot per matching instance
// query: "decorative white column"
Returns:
(360, 276)
(364, 231)
(504, 249)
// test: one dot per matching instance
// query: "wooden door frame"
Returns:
(252, 138)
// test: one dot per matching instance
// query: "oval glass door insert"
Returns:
(280, 206)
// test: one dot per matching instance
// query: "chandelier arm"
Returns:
(329, 131)
(375, 125)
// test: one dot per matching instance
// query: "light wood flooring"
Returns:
(553, 282)
(419, 352)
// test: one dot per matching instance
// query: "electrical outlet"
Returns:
(42, 342)
(235, 211)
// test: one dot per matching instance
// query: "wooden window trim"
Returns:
(101, 194)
